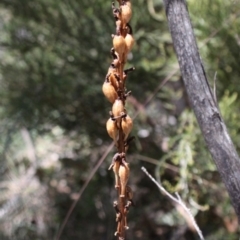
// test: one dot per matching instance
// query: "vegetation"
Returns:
(53, 61)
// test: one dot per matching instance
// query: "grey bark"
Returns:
(202, 101)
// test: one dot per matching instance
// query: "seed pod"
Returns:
(119, 45)
(116, 171)
(129, 40)
(112, 130)
(124, 172)
(109, 91)
(126, 14)
(117, 108)
(127, 125)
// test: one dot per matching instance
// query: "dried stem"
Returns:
(120, 123)
(177, 200)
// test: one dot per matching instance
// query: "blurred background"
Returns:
(54, 55)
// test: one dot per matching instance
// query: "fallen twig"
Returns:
(177, 200)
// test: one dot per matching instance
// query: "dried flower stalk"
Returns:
(120, 124)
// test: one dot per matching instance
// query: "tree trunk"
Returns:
(203, 103)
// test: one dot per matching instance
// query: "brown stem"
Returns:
(123, 173)
(121, 205)
(121, 200)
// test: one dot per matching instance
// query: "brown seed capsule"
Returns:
(126, 14)
(116, 167)
(112, 130)
(109, 91)
(127, 125)
(124, 172)
(129, 40)
(118, 108)
(119, 45)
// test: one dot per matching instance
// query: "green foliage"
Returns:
(230, 111)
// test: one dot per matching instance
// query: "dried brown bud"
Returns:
(116, 167)
(118, 108)
(124, 172)
(126, 14)
(119, 45)
(112, 130)
(109, 91)
(129, 40)
(127, 125)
